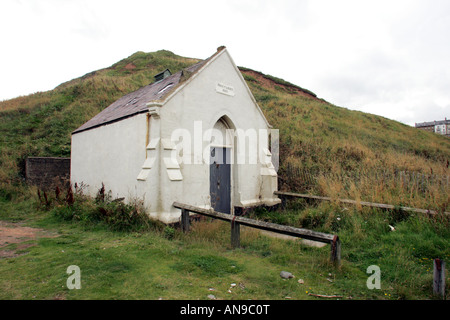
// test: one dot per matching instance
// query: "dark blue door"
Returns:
(220, 179)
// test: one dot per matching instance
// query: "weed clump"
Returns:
(113, 213)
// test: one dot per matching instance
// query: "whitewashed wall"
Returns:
(111, 154)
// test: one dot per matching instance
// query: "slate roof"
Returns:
(136, 102)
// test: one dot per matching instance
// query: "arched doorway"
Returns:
(220, 166)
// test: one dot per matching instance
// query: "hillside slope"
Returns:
(324, 149)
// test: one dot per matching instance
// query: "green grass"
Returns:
(152, 263)
(404, 255)
(138, 265)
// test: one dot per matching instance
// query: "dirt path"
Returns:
(16, 233)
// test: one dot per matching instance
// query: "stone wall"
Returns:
(48, 172)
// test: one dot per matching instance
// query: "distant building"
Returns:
(439, 127)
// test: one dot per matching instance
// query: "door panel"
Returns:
(220, 179)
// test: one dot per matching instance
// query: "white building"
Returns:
(440, 127)
(165, 142)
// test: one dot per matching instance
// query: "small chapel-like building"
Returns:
(196, 137)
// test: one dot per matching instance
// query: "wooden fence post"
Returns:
(235, 234)
(336, 251)
(439, 277)
(185, 220)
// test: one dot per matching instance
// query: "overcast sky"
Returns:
(390, 58)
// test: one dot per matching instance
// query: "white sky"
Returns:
(390, 58)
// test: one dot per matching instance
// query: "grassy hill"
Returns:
(324, 150)
(343, 153)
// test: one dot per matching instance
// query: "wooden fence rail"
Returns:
(362, 203)
(237, 221)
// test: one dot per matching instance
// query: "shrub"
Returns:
(114, 213)
(169, 232)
